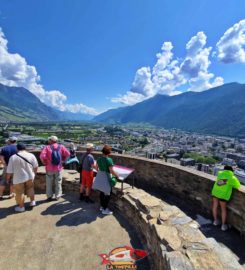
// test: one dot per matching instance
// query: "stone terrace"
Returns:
(61, 235)
(173, 239)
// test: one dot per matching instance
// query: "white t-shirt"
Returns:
(22, 171)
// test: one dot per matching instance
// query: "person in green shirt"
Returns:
(221, 192)
(105, 164)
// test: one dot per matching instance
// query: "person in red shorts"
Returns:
(87, 174)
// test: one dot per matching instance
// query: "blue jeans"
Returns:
(57, 177)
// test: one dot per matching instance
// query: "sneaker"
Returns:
(216, 222)
(33, 203)
(107, 211)
(82, 197)
(224, 227)
(88, 200)
(19, 209)
(11, 195)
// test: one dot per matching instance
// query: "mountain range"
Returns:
(20, 105)
(220, 110)
(17, 104)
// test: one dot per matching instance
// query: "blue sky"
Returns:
(92, 55)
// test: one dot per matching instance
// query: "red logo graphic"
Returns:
(123, 258)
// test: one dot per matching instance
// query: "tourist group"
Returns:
(20, 168)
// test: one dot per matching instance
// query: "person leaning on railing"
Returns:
(221, 192)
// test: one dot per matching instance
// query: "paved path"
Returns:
(63, 235)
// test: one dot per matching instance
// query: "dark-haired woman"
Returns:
(105, 164)
(221, 193)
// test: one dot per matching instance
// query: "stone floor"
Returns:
(61, 235)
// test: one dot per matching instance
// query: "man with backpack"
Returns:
(52, 156)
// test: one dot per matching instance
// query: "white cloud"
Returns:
(142, 83)
(231, 46)
(129, 98)
(163, 58)
(196, 65)
(14, 71)
(175, 93)
(196, 44)
(202, 82)
(199, 62)
(168, 74)
(165, 71)
(79, 108)
(217, 82)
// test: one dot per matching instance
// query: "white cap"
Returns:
(53, 138)
(12, 139)
(89, 145)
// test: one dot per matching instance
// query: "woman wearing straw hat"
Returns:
(87, 174)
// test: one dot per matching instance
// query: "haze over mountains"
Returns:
(220, 110)
(17, 104)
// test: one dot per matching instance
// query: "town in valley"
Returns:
(207, 153)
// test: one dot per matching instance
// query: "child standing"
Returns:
(221, 192)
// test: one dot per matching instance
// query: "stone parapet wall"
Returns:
(185, 183)
(70, 183)
(173, 239)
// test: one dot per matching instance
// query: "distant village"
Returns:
(207, 153)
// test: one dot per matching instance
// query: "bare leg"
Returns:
(2, 188)
(223, 211)
(81, 192)
(215, 208)
(21, 201)
(32, 198)
(88, 191)
(11, 191)
(81, 188)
